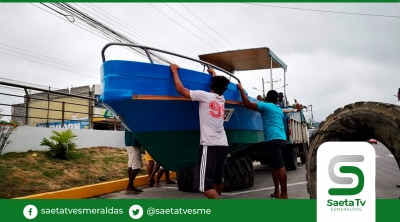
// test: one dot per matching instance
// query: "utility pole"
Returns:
(272, 83)
(312, 116)
(263, 87)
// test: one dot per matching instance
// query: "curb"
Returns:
(94, 190)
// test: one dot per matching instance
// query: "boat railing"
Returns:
(147, 49)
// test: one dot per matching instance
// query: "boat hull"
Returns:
(144, 97)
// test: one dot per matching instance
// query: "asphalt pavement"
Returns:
(387, 176)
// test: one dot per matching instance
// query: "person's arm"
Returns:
(246, 101)
(212, 72)
(178, 84)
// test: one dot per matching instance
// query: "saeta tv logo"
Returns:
(346, 181)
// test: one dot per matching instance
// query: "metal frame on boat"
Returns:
(147, 50)
(247, 60)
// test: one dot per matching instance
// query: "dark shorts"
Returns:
(275, 150)
(210, 166)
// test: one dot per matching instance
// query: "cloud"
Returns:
(333, 59)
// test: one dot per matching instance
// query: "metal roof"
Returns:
(244, 60)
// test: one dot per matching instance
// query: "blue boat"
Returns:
(143, 96)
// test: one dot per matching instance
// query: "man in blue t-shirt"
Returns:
(274, 137)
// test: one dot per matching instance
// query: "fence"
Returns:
(63, 108)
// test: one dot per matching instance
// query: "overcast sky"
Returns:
(333, 59)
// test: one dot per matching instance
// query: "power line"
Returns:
(76, 24)
(122, 24)
(253, 72)
(49, 57)
(89, 28)
(132, 31)
(118, 24)
(105, 30)
(184, 27)
(30, 84)
(327, 11)
(45, 59)
(208, 26)
(48, 65)
(196, 26)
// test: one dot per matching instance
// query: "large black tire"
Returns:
(360, 121)
(250, 172)
(244, 177)
(238, 175)
(185, 181)
(230, 176)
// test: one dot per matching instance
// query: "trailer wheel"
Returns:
(238, 175)
(360, 121)
(249, 168)
(185, 181)
(230, 176)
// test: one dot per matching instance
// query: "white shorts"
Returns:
(134, 157)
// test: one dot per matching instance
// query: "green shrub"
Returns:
(63, 146)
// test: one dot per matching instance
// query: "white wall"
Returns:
(29, 138)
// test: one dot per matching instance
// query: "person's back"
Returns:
(211, 114)
(272, 117)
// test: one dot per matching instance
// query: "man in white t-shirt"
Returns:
(209, 170)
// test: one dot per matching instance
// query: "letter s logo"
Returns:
(346, 180)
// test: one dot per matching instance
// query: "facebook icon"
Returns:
(30, 212)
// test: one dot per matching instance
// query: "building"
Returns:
(60, 111)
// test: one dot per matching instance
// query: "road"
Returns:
(387, 176)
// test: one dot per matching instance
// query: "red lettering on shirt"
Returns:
(218, 111)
